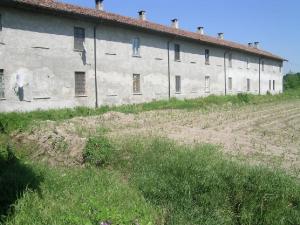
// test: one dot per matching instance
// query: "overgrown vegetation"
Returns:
(21, 121)
(291, 81)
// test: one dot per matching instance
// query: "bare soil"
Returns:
(265, 133)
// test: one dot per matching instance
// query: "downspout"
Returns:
(95, 63)
(259, 62)
(225, 73)
(169, 72)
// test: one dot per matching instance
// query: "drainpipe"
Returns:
(225, 72)
(259, 75)
(95, 62)
(169, 71)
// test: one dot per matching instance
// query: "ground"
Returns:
(261, 134)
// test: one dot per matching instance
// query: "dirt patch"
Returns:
(267, 133)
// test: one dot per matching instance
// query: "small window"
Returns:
(80, 84)
(230, 83)
(136, 47)
(263, 65)
(280, 68)
(248, 85)
(2, 86)
(0, 22)
(207, 84)
(177, 52)
(79, 38)
(230, 60)
(207, 56)
(270, 85)
(136, 83)
(178, 84)
(248, 63)
(273, 85)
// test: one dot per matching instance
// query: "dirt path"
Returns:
(267, 133)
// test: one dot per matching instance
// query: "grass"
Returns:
(21, 121)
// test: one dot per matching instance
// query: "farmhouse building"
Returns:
(55, 55)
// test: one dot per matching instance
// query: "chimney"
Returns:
(142, 15)
(221, 36)
(99, 5)
(256, 44)
(250, 45)
(200, 30)
(175, 23)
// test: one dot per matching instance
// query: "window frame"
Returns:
(207, 84)
(177, 52)
(229, 83)
(2, 84)
(79, 41)
(248, 84)
(207, 56)
(136, 47)
(177, 84)
(136, 84)
(80, 86)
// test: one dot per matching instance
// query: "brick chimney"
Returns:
(142, 15)
(175, 23)
(99, 5)
(200, 30)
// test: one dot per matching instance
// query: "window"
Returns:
(230, 60)
(207, 56)
(248, 85)
(273, 85)
(263, 65)
(136, 47)
(79, 38)
(230, 83)
(0, 22)
(270, 85)
(207, 84)
(79, 83)
(177, 52)
(136, 83)
(280, 68)
(178, 84)
(248, 63)
(2, 86)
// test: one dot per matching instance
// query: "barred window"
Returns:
(177, 52)
(230, 60)
(230, 83)
(79, 38)
(80, 84)
(136, 83)
(207, 56)
(262, 65)
(136, 47)
(177, 84)
(2, 86)
(207, 84)
(248, 85)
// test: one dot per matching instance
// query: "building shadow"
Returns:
(15, 179)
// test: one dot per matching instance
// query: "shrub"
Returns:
(242, 97)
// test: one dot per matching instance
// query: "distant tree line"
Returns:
(291, 81)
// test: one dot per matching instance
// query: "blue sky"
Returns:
(275, 23)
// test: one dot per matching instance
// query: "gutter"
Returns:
(225, 73)
(169, 71)
(95, 63)
(259, 75)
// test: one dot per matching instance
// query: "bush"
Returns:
(98, 151)
(291, 81)
(242, 97)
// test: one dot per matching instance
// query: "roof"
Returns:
(63, 8)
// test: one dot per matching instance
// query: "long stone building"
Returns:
(55, 55)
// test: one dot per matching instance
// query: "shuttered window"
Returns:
(248, 85)
(79, 38)
(136, 47)
(177, 52)
(207, 84)
(230, 83)
(80, 83)
(177, 84)
(2, 85)
(230, 60)
(136, 83)
(207, 56)
(262, 65)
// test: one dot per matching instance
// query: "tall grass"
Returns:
(20, 121)
(200, 186)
